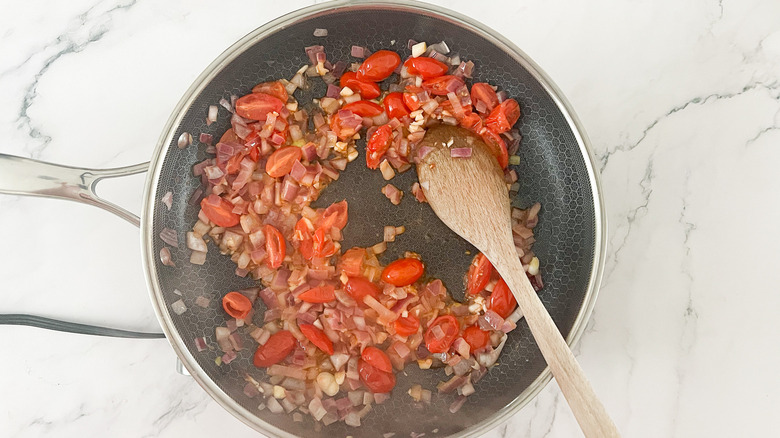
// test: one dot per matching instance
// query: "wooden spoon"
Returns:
(470, 196)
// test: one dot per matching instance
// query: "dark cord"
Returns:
(72, 327)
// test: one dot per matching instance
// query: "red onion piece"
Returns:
(229, 357)
(165, 257)
(490, 321)
(200, 343)
(269, 298)
(169, 236)
(460, 152)
(358, 52)
(320, 32)
(312, 52)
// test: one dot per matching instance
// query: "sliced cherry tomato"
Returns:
(441, 333)
(483, 92)
(501, 299)
(236, 305)
(275, 246)
(254, 153)
(410, 98)
(403, 272)
(364, 108)
(219, 211)
(343, 131)
(275, 349)
(336, 215)
(504, 116)
(275, 89)
(476, 337)
(303, 235)
(317, 337)
(367, 90)
(497, 146)
(323, 246)
(351, 262)
(425, 67)
(379, 66)
(378, 145)
(359, 287)
(377, 358)
(471, 122)
(230, 137)
(320, 294)
(234, 163)
(377, 381)
(442, 85)
(479, 274)
(395, 106)
(256, 106)
(281, 162)
(406, 325)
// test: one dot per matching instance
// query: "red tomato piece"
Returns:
(364, 108)
(479, 274)
(275, 349)
(472, 122)
(320, 294)
(236, 305)
(476, 337)
(275, 89)
(230, 137)
(351, 262)
(378, 145)
(275, 246)
(497, 146)
(501, 300)
(504, 116)
(403, 272)
(256, 106)
(336, 215)
(425, 67)
(375, 380)
(323, 246)
(303, 235)
(367, 90)
(219, 211)
(395, 106)
(441, 333)
(377, 358)
(342, 130)
(254, 153)
(410, 98)
(379, 66)
(359, 287)
(442, 85)
(281, 162)
(483, 92)
(406, 325)
(317, 337)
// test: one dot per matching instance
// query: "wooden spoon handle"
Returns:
(586, 406)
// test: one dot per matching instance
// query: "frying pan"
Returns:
(556, 170)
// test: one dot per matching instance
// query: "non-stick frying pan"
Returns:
(555, 170)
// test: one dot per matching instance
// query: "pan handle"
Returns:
(25, 176)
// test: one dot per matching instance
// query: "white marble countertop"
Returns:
(681, 101)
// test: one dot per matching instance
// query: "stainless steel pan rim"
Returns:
(150, 198)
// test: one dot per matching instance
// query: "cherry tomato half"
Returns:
(379, 66)
(256, 106)
(364, 108)
(303, 235)
(317, 337)
(377, 358)
(275, 349)
(336, 215)
(219, 211)
(471, 121)
(497, 146)
(504, 116)
(275, 246)
(281, 162)
(410, 98)
(378, 145)
(359, 287)
(406, 325)
(442, 85)
(275, 89)
(483, 92)
(501, 300)
(367, 90)
(395, 106)
(441, 333)
(323, 245)
(376, 381)
(425, 67)
(479, 274)
(236, 305)
(403, 272)
(476, 337)
(320, 294)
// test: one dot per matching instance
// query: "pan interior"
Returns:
(552, 171)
